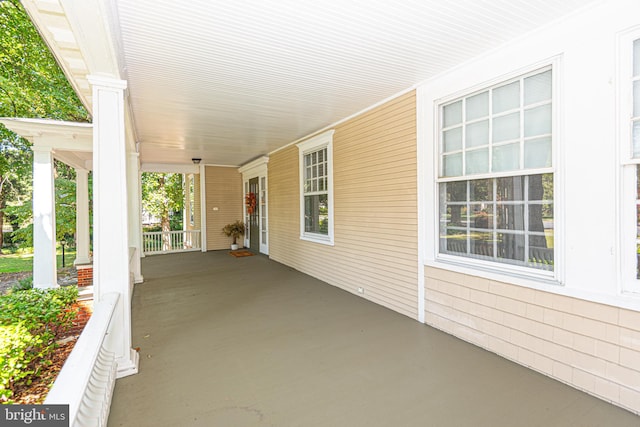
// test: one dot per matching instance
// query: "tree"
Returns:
(65, 187)
(15, 175)
(21, 214)
(162, 196)
(31, 85)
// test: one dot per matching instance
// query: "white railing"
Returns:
(88, 376)
(162, 242)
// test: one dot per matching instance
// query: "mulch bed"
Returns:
(66, 276)
(7, 280)
(36, 392)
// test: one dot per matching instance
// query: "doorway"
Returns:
(254, 216)
(254, 182)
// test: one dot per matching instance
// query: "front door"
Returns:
(254, 217)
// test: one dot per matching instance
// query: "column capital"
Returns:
(41, 148)
(107, 82)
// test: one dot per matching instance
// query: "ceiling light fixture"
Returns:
(196, 161)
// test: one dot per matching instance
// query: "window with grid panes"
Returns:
(496, 179)
(635, 137)
(315, 172)
(316, 193)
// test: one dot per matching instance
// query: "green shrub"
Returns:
(19, 351)
(30, 322)
(23, 284)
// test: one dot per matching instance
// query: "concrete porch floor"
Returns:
(247, 342)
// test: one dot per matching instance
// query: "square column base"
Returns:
(128, 366)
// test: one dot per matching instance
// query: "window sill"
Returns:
(317, 238)
(498, 272)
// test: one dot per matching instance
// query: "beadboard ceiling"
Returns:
(229, 81)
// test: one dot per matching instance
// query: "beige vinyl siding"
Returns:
(224, 192)
(591, 346)
(283, 204)
(375, 209)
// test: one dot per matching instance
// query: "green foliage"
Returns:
(65, 188)
(15, 172)
(163, 197)
(31, 85)
(18, 353)
(30, 322)
(23, 284)
(40, 310)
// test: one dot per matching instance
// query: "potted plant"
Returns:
(234, 230)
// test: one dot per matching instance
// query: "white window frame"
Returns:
(629, 283)
(491, 268)
(318, 142)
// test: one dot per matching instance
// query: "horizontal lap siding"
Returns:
(375, 209)
(224, 192)
(591, 346)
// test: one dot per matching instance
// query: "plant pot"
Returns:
(234, 247)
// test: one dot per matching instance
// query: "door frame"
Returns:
(257, 169)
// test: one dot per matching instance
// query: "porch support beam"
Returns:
(110, 222)
(44, 219)
(82, 217)
(186, 199)
(203, 208)
(135, 212)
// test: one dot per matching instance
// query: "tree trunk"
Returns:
(1, 231)
(166, 233)
(2, 206)
(164, 216)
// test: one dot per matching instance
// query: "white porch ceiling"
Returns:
(229, 81)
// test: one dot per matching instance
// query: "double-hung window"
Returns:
(316, 188)
(630, 125)
(635, 132)
(495, 180)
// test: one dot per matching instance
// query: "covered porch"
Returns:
(251, 342)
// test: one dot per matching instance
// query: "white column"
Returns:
(141, 231)
(110, 215)
(186, 212)
(44, 220)
(203, 208)
(82, 217)
(135, 220)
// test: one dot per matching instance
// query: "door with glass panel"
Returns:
(254, 215)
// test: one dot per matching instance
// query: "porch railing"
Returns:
(162, 242)
(88, 376)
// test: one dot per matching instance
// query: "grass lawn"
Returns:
(20, 261)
